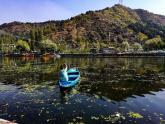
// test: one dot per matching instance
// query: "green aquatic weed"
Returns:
(74, 91)
(162, 121)
(134, 115)
(94, 118)
(111, 118)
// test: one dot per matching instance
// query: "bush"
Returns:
(154, 44)
(125, 46)
(23, 45)
(137, 47)
(48, 45)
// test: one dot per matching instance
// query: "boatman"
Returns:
(63, 73)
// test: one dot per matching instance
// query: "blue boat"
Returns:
(73, 76)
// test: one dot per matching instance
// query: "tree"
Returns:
(154, 43)
(47, 29)
(7, 42)
(32, 37)
(137, 47)
(142, 37)
(48, 45)
(1, 44)
(125, 46)
(83, 45)
(32, 45)
(36, 35)
(40, 34)
(23, 45)
(32, 34)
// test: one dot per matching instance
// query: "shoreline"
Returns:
(90, 55)
(131, 55)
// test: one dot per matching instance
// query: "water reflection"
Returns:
(110, 89)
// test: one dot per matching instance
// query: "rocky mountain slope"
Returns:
(109, 27)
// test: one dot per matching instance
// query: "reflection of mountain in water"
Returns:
(124, 78)
(114, 78)
(122, 90)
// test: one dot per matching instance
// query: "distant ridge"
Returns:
(110, 26)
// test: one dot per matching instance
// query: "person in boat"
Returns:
(72, 67)
(63, 72)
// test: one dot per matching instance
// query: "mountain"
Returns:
(118, 27)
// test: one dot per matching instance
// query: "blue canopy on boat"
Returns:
(73, 76)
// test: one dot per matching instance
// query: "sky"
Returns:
(44, 10)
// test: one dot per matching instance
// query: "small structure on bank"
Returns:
(105, 50)
(108, 50)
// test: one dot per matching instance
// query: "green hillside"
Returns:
(119, 27)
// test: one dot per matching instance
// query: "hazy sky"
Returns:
(43, 10)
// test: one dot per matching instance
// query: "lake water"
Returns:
(111, 90)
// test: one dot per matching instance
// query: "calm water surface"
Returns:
(112, 90)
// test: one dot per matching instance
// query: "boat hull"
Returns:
(74, 77)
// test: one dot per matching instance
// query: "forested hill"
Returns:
(120, 27)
